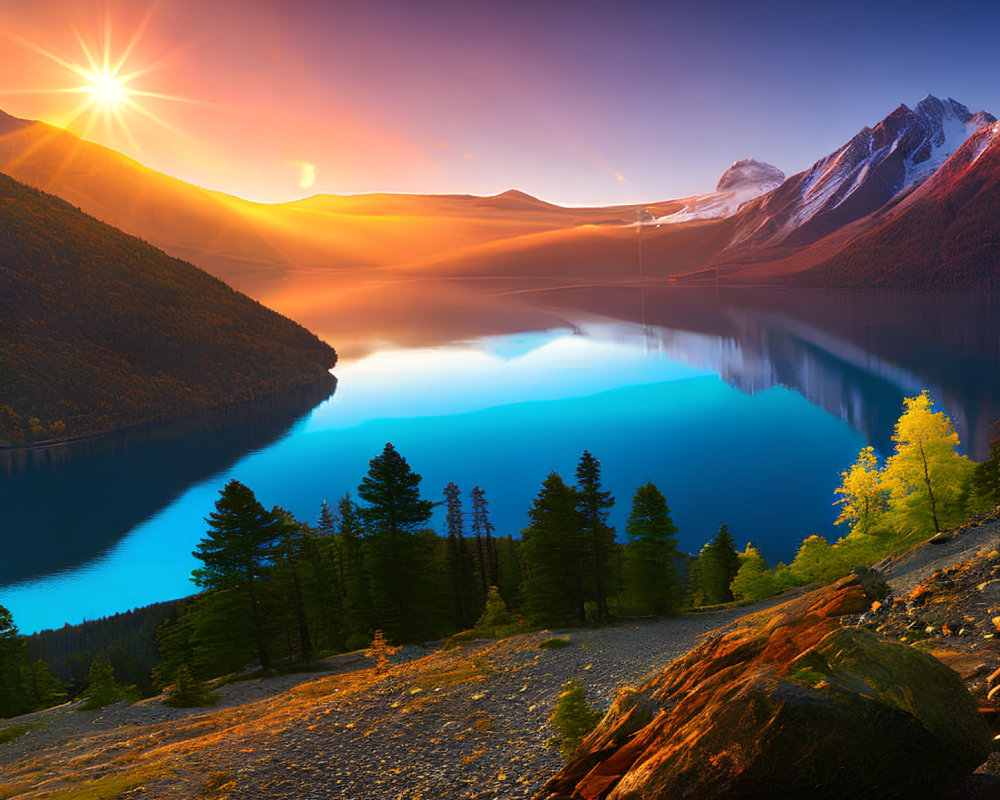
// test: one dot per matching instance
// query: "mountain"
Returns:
(946, 237)
(100, 330)
(357, 267)
(921, 179)
(875, 167)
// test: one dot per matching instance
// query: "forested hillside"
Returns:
(127, 641)
(100, 330)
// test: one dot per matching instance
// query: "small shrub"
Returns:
(187, 692)
(102, 688)
(496, 621)
(380, 650)
(572, 718)
(753, 581)
(553, 644)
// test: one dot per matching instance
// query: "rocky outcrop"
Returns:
(788, 704)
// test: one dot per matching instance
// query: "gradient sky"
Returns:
(574, 102)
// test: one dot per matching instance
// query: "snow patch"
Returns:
(741, 183)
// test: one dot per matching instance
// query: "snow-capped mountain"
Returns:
(742, 182)
(946, 236)
(874, 168)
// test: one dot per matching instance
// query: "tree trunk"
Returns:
(258, 627)
(930, 494)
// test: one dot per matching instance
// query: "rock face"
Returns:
(789, 704)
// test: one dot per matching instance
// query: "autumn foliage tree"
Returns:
(862, 496)
(928, 481)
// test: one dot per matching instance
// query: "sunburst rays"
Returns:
(109, 81)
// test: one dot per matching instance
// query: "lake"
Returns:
(742, 406)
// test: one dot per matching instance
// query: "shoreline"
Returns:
(206, 415)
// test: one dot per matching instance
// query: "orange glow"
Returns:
(107, 89)
(108, 96)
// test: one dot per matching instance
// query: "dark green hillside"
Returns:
(100, 330)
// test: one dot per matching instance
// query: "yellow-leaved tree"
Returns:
(928, 481)
(862, 496)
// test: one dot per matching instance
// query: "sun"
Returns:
(107, 89)
(106, 82)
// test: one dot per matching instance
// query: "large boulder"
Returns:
(788, 704)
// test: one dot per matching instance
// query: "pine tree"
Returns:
(187, 692)
(44, 689)
(290, 554)
(650, 568)
(987, 476)
(102, 688)
(510, 570)
(594, 505)
(719, 563)
(572, 718)
(13, 658)
(327, 522)
(356, 599)
(322, 574)
(554, 552)
(236, 555)
(486, 546)
(460, 568)
(392, 491)
(175, 643)
(496, 621)
(398, 562)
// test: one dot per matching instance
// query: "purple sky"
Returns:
(574, 102)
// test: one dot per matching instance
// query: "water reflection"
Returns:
(855, 355)
(65, 505)
(630, 375)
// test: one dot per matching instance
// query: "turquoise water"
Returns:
(500, 413)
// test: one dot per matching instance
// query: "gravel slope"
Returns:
(914, 566)
(466, 723)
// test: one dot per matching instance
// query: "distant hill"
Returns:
(845, 221)
(100, 330)
(258, 247)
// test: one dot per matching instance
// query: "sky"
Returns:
(575, 102)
